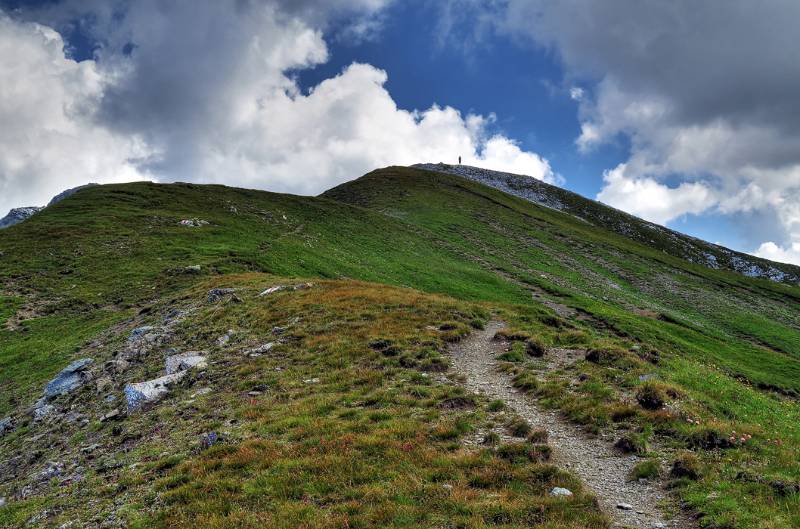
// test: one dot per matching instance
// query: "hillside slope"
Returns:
(601, 215)
(347, 419)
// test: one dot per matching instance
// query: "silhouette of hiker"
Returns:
(459, 160)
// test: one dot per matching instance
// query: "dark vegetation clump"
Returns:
(512, 335)
(648, 469)
(651, 396)
(632, 443)
(521, 452)
(538, 436)
(685, 465)
(526, 381)
(519, 427)
(535, 348)
(709, 438)
(605, 357)
(496, 405)
(458, 403)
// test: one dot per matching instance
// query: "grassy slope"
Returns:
(96, 258)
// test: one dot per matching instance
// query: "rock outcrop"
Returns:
(70, 378)
(17, 215)
(140, 394)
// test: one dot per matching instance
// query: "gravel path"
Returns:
(595, 460)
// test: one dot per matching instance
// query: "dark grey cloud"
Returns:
(706, 90)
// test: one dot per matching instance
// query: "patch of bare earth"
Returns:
(604, 470)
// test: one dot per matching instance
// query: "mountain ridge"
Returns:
(691, 248)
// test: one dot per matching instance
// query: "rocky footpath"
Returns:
(603, 468)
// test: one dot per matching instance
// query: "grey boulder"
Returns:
(184, 361)
(142, 393)
(70, 378)
(6, 426)
(217, 294)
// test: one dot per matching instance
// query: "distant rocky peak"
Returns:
(17, 215)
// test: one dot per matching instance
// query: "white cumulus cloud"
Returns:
(208, 92)
(652, 200)
(783, 254)
(48, 139)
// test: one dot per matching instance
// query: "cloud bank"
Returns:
(706, 93)
(206, 92)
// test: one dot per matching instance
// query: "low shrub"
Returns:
(518, 427)
(538, 436)
(686, 465)
(535, 348)
(651, 396)
(512, 335)
(648, 469)
(526, 381)
(496, 405)
(632, 443)
(522, 452)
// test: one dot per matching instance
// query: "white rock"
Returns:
(201, 391)
(225, 338)
(624, 506)
(560, 491)
(271, 290)
(311, 381)
(142, 393)
(261, 349)
(184, 361)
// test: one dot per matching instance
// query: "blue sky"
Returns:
(687, 116)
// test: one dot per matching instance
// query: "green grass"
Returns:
(74, 276)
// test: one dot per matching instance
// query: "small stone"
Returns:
(89, 449)
(193, 269)
(303, 286)
(53, 469)
(625, 506)
(193, 223)
(111, 416)
(261, 349)
(659, 525)
(278, 330)
(311, 381)
(225, 338)
(201, 391)
(560, 491)
(254, 393)
(2, 501)
(447, 486)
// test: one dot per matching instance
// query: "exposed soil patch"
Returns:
(594, 459)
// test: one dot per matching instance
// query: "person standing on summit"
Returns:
(459, 160)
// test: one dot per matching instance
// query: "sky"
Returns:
(685, 113)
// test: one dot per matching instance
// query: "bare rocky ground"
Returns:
(643, 505)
